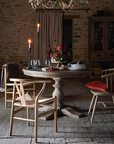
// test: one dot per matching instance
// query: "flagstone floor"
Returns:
(74, 90)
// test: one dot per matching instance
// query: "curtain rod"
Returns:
(62, 10)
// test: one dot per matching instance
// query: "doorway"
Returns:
(67, 36)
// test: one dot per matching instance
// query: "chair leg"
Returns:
(11, 120)
(5, 76)
(28, 116)
(36, 123)
(113, 98)
(34, 89)
(94, 108)
(5, 98)
(55, 113)
(91, 104)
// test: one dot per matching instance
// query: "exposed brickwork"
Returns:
(17, 25)
(81, 27)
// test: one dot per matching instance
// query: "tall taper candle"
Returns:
(38, 26)
(29, 43)
(29, 66)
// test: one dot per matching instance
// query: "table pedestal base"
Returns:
(71, 112)
(68, 111)
(62, 109)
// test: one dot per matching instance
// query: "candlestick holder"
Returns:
(37, 65)
(29, 66)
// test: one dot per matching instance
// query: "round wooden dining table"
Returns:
(58, 76)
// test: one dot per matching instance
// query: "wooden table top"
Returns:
(38, 72)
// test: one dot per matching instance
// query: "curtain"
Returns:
(50, 31)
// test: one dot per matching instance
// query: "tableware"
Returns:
(77, 66)
(47, 62)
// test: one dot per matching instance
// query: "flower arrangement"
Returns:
(59, 54)
(50, 4)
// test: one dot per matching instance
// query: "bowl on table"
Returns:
(77, 66)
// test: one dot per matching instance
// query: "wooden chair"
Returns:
(31, 104)
(106, 90)
(9, 91)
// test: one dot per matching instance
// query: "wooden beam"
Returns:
(41, 9)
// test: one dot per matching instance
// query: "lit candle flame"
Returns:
(29, 43)
(38, 25)
(29, 40)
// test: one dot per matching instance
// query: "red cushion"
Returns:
(98, 85)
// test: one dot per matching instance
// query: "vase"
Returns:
(55, 61)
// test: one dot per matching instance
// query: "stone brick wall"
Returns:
(17, 26)
(81, 26)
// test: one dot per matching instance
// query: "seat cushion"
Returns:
(27, 97)
(30, 104)
(98, 85)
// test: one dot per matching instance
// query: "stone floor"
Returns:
(74, 89)
(16, 140)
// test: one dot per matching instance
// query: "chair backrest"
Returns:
(107, 71)
(19, 87)
(108, 75)
(20, 90)
(10, 70)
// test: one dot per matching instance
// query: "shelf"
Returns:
(111, 29)
(101, 39)
(111, 42)
(98, 29)
(98, 41)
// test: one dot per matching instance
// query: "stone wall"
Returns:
(17, 26)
